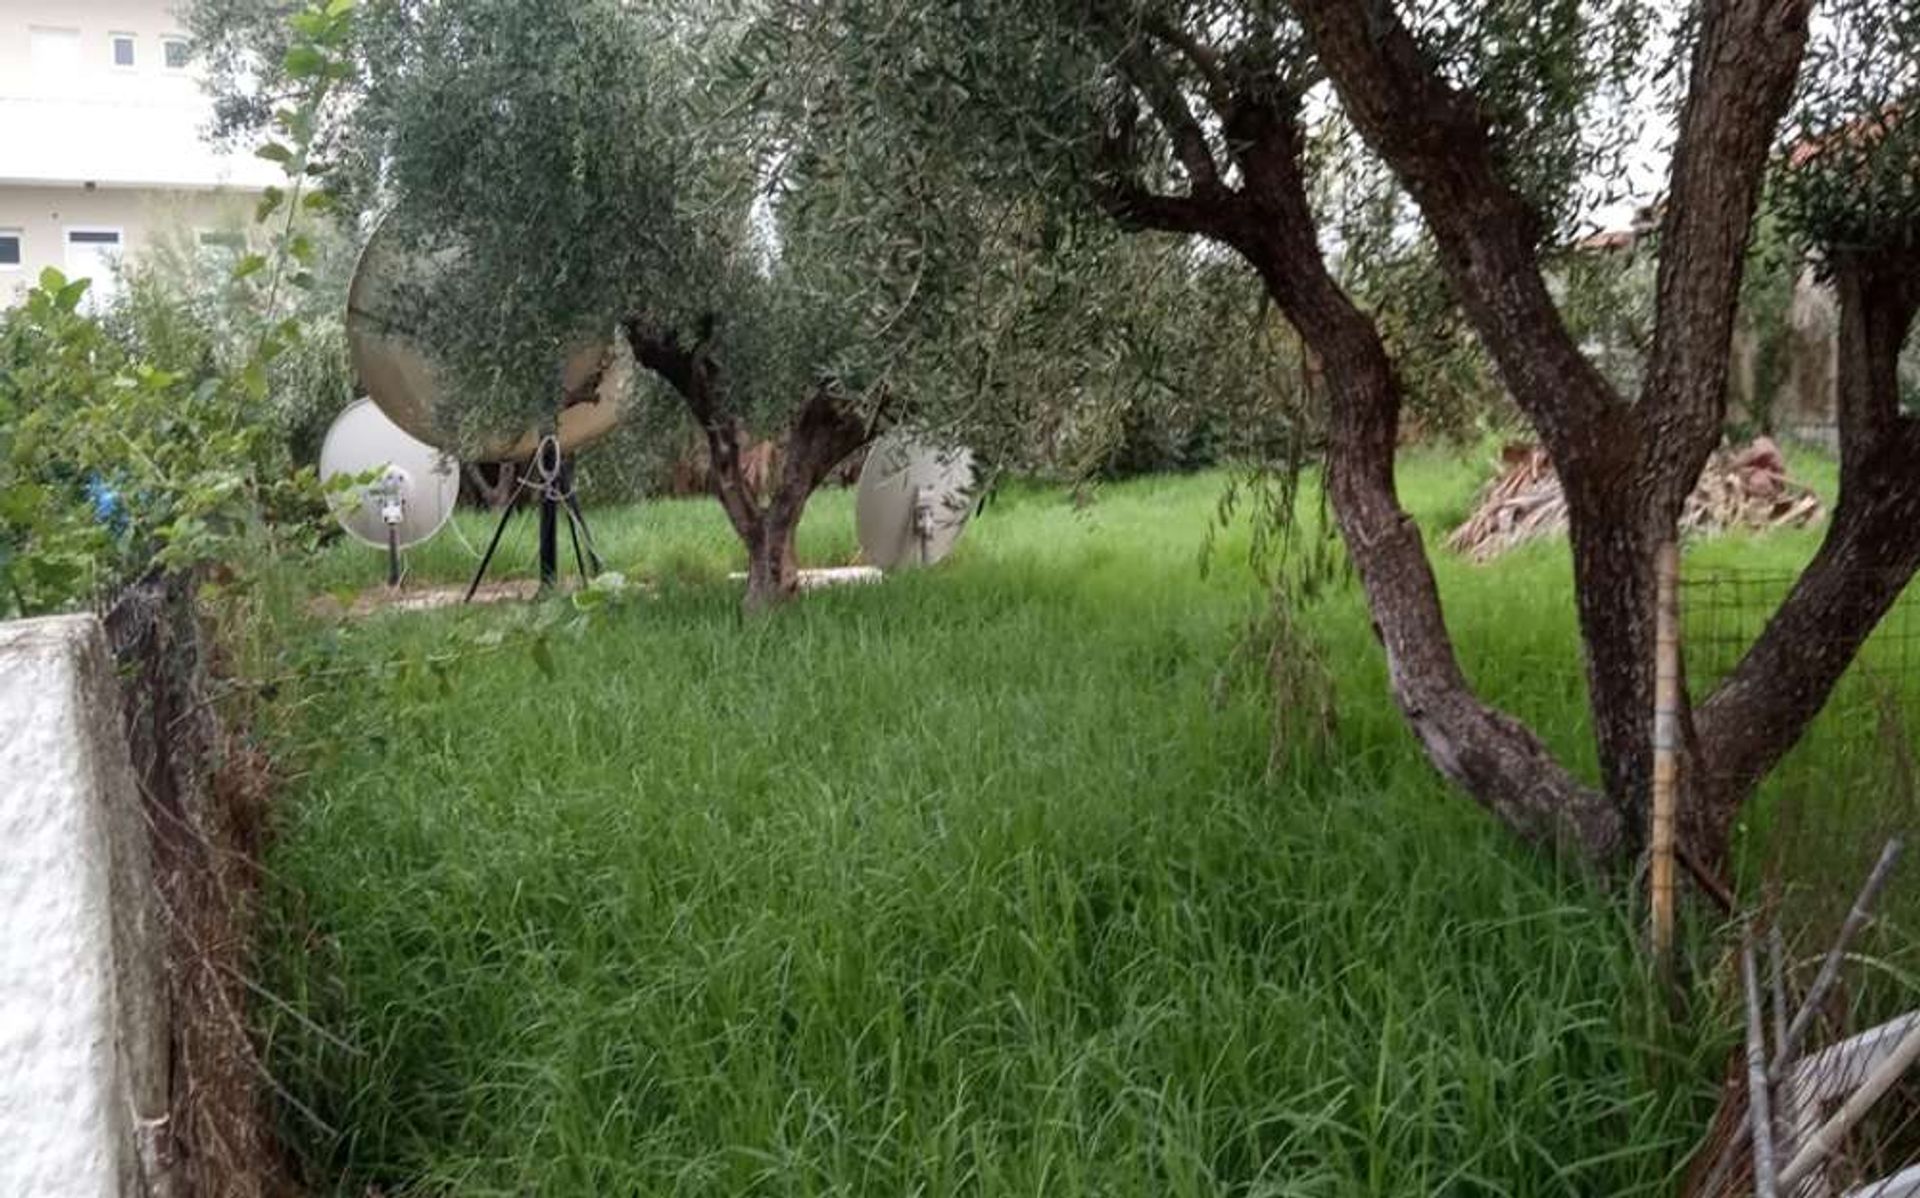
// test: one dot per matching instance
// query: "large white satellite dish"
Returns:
(400, 376)
(913, 502)
(414, 485)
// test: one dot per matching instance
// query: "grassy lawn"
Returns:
(976, 882)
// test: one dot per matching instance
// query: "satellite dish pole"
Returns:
(550, 467)
(551, 473)
(391, 513)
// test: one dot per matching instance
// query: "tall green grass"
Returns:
(975, 882)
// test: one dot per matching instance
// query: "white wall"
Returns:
(78, 117)
(149, 80)
(90, 144)
(83, 1035)
(43, 215)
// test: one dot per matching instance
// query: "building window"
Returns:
(175, 51)
(9, 249)
(123, 49)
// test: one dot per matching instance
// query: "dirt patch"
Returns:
(385, 599)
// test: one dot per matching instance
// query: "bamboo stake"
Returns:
(1777, 967)
(1759, 1109)
(1786, 1101)
(1666, 751)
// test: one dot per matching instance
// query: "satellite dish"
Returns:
(400, 376)
(913, 503)
(410, 498)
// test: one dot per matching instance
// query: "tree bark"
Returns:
(1492, 756)
(501, 489)
(773, 571)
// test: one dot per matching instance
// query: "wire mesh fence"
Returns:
(1853, 779)
(1833, 997)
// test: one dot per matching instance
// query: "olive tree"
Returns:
(772, 261)
(1211, 120)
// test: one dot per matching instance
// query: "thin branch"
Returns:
(1205, 60)
(1148, 76)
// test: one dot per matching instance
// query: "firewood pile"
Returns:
(1745, 487)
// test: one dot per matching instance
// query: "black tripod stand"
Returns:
(551, 474)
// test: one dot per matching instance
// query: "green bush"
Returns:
(111, 465)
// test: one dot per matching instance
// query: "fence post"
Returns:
(1666, 752)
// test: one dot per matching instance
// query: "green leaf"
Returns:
(249, 266)
(270, 199)
(253, 379)
(310, 24)
(304, 62)
(543, 656)
(274, 151)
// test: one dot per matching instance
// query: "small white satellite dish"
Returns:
(914, 501)
(400, 376)
(413, 490)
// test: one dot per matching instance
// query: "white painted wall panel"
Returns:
(82, 1029)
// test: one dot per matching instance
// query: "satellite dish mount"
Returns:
(549, 472)
(390, 496)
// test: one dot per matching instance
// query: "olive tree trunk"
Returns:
(765, 514)
(1627, 463)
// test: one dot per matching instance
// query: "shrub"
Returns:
(111, 465)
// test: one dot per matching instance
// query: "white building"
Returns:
(102, 120)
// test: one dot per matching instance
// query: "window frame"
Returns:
(114, 38)
(167, 42)
(19, 239)
(117, 232)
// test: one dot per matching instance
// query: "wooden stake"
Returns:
(1666, 753)
(1759, 1106)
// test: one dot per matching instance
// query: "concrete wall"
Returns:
(95, 20)
(42, 216)
(83, 1042)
